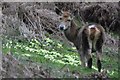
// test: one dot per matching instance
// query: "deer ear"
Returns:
(75, 12)
(58, 11)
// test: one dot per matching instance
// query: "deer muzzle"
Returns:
(61, 27)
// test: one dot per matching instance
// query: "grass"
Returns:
(53, 54)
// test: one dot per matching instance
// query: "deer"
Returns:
(87, 39)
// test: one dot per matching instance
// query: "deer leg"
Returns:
(82, 58)
(99, 65)
(89, 58)
(89, 55)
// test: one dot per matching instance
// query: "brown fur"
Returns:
(92, 35)
(83, 37)
(79, 36)
(66, 14)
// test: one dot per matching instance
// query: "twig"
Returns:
(62, 67)
(29, 20)
(41, 76)
(111, 25)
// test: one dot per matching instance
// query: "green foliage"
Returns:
(52, 53)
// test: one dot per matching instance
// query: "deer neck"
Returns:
(71, 32)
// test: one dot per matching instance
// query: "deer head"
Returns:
(65, 19)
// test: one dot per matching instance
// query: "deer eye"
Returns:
(68, 20)
(60, 18)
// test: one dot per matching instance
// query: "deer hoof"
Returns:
(90, 63)
(99, 65)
